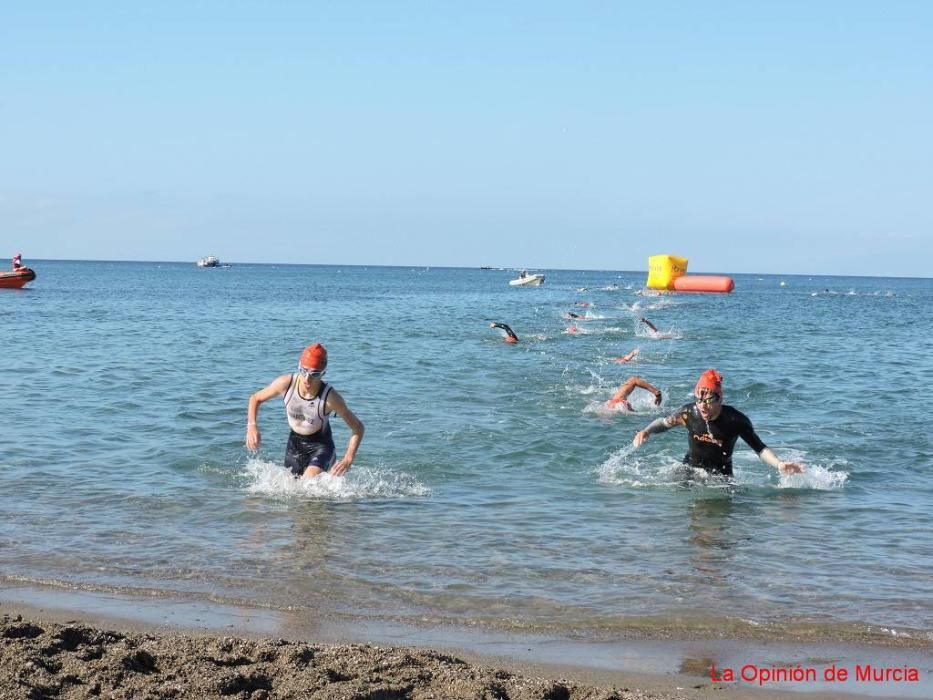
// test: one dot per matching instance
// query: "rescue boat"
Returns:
(527, 280)
(16, 280)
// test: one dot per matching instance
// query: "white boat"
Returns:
(209, 261)
(526, 280)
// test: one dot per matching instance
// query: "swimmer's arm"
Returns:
(647, 386)
(336, 404)
(276, 388)
(768, 457)
(766, 454)
(659, 425)
(508, 331)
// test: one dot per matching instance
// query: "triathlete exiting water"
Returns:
(713, 429)
(628, 386)
(510, 336)
(309, 403)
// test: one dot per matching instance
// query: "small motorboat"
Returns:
(17, 279)
(526, 280)
(209, 261)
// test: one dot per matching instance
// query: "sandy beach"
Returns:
(62, 654)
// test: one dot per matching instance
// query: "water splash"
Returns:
(815, 477)
(672, 334)
(626, 467)
(360, 483)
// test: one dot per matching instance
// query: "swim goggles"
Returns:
(311, 373)
(709, 399)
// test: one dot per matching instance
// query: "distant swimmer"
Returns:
(649, 324)
(713, 429)
(510, 336)
(629, 357)
(309, 403)
(653, 331)
(628, 386)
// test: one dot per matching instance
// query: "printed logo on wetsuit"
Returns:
(707, 437)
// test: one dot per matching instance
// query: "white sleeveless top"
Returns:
(306, 416)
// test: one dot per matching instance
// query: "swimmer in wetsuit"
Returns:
(713, 429)
(309, 403)
(510, 336)
(630, 384)
(650, 325)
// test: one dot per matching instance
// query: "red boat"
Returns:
(16, 280)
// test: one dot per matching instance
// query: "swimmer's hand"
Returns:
(657, 399)
(640, 437)
(790, 468)
(253, 437)
(341, 467)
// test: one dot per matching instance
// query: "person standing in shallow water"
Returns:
(712, 430)
(309, 403)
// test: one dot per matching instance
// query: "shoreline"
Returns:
(585, 669)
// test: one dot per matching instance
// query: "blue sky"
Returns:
(784, 137)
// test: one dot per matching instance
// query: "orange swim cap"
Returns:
(314, 357)
(710, 382)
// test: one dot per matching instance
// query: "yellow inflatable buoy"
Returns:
(664, 269)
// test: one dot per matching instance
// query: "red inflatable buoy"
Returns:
(704, 283)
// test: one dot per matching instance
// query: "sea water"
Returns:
(493, 487)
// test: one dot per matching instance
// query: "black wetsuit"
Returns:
(711, 443)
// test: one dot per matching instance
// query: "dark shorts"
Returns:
(305, 451)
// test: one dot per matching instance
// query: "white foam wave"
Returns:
(641, 306)
(814, 477)
(589, 330)
(672, 334)
(642, 404)
(627, 467)
(359, 483)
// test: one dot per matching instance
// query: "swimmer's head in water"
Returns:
(314, 358)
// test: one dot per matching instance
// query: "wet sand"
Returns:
(61, 654)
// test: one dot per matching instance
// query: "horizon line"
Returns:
(478, 267)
